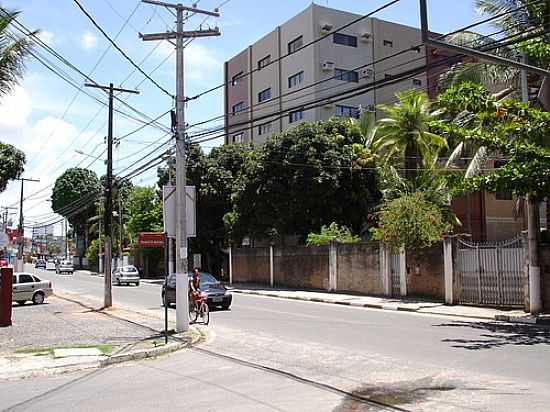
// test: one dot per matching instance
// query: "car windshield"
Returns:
(206, 278)
(129, 269)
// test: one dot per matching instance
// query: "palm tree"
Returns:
(13, 52)
(403, 136)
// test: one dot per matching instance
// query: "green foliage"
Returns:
(411, 221)
(144, 210)
(12, 162)
(72, 186)
(92, 252)
(302, 179)
(334, 232)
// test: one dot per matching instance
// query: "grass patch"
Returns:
(105, 349)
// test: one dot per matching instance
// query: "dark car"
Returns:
(217, 293)
(40, 264)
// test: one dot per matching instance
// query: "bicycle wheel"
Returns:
(193, 313)
(205, 313)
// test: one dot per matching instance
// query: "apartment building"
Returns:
(292, 82)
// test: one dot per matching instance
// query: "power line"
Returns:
(97, 26)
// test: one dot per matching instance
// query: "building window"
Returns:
(346, 75)
(388, 43)
(264, 62)
(239, 107)
(417, 82)
(295, 80)
(345, 39)
(347, 111)
(503, 195)
(295, 116)
(295, 44)
(264, 128)
(235, 80)
(264, 95)
(238, 138)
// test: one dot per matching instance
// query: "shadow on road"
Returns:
(498, 335)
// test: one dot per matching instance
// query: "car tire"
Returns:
(21, 302)
(38, 298)
(226, 307)
(137, 283)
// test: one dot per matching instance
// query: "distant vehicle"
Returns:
(217, 293)
(40, 264)
(27, 286)
(50, 264)
(65, 266)
(125, 274)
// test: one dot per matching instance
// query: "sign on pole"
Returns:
(4, 240)
(169, 198)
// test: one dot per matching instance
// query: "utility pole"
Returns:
(182, 315)
(66, 241)
(21, 229)
(5, 218)
(108, 297)
(533, 226)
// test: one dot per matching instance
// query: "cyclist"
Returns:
(195, 287)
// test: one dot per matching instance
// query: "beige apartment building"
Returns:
(280, 81)
(282, 92)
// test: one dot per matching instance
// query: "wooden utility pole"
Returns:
(182, 315)
(108, 297)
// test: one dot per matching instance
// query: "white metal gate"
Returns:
(395, 274)
(491, 273)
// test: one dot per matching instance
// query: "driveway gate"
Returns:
(395, 275)
(491, 273)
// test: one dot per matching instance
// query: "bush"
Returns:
(411, 221)
(340, 234)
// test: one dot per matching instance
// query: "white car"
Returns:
(27, 286)
(50, 264)
(125, 274)
(65, 267)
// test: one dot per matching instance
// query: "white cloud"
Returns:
(47, 37)
(88, 40)
(15, 108)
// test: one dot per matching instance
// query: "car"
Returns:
(40, 264)
(50, 264)
(217, 294)
(125, 274)
(27, 286)
(65, 266)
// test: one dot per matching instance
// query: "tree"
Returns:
(12, 162)
(145, 211)
(332, 233)
(302, 179)
(403, 137)
(12, 57)
(73, 197)
(411, 221)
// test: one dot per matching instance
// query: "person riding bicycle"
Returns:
(195, 287)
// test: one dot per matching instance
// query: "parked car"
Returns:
(125, 274)
(27, 286)
(50, 264)
(217, 293)
(65, 266)
(40, 264)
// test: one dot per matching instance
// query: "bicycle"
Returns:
(199, 307)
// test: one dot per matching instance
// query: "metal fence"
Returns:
(491, 273)
(395, 275)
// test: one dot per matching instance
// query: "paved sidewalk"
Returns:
(376, 302)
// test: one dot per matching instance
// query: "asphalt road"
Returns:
(470, 364)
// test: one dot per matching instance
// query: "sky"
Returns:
(49, 120)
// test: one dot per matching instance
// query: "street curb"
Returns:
(501, 318)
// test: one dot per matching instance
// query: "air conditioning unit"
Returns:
(327, 66)
(366, 73)
(366, 37)
(326, 28)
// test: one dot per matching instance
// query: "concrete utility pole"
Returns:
(182, 315)
(66, 241)
(108, 297)
(21, 229)
(533, 226)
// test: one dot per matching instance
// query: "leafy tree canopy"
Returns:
(332, 233)
(145, 211)
(12, 162)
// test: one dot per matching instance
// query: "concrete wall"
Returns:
(545, 272)
(426, 273)
(251, 265)
(359, 269)
(301, 267)
(235, 93)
